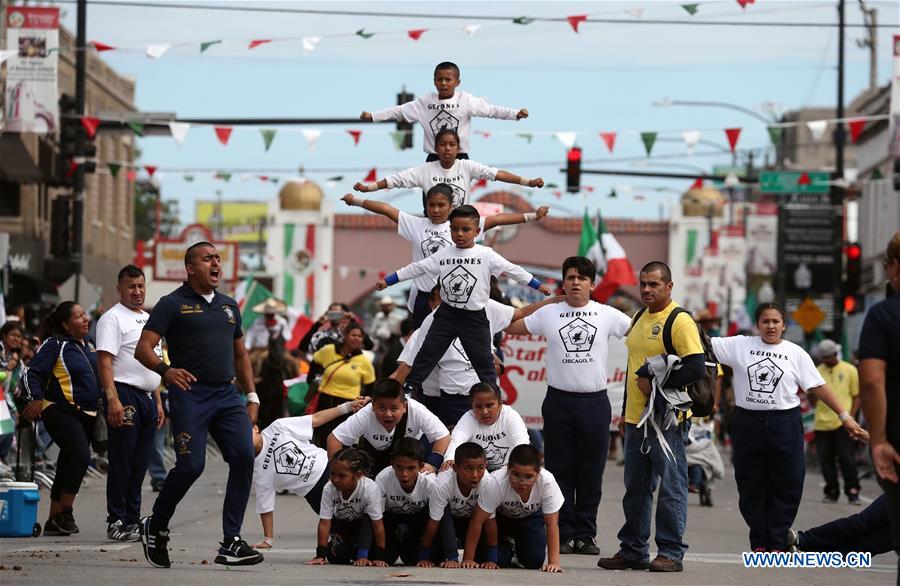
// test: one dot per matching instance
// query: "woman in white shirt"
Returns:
(767, 429)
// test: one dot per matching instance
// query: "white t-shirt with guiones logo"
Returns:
(365, 500)
(767, 376)
(577, 343)
(499, 497)
(498, 439)
(397, 500)
(118, 332)
(364, 424)
(287, 461)
(459, 177)
(445, 492)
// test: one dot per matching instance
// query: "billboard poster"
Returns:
(524, 382)
(32, 37)
(235, 221)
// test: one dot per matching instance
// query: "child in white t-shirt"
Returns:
(375, 426)
(287, 460)
(454, 498)
(496, 427)
(432, 233)
(527, 501)
(350, 516)
(406, 490)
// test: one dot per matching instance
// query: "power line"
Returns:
(434, 16)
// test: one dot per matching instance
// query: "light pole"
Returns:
(668, 102)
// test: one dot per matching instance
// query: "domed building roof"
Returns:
(697, 202)
(300, 194)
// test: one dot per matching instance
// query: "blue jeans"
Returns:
(642, 471)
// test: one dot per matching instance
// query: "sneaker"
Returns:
(155, 545)
(853, 498)
(619, 562)
(664, 564)
(586, 546)
(66, 520)
(793, 541)
(829, 500)
(119, 531)
(52, 528)
(237, 553)
(566, 546)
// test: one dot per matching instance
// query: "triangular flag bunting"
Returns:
(876, 174)
(206, 45)
(257, 43)
(775, 133)
(312, 136)
(336, 178)
(310, 43)
(610, 139)
(113, 169)
(733, 135)
(744, 3)
(362, 33)
(157, 51)
(804, 179)
(612, 192)
(398, 138)
(223, 133)
(691, 138)
(4, 55)
(567, 138)
(131, 175)
(355, 134)
(635, 12)
(188, 178)
(372, 176)
(416, 33)
(471, 29)
(575, 20)
(817, 128)
(91, 124)
(483, 133)
(557, 194)
(526, 135)
(226, 177)
(137, 128)
(697, 184)
(551, 186)
(274, 180)
(479, 184)
(856, 128)
(691, 8)
(648, 139)
(151, 169)
(268, 135)
(263, 177)
(523, 20)
(100, 47)
(179, 131)
(588, 188)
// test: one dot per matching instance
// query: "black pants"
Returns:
(529, 537)
(474, 333)
(451, 538)
(769, 470)
(433, 157)
(421, 309)
(129, 454)
(868, 530)
(314, 496)
(837, 447)
(72, 431)
(403, 536)
(892, 493)
(452, 408)
(576, 444)
(321, 433)
(347, 538)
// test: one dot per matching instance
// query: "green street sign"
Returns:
(794, 182)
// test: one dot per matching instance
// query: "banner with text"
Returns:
(524, 383)
(32, 69)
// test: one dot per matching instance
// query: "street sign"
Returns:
(794, 182)
(809, 238)
(808, 315)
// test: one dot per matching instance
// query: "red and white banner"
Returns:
(168, 255)
(524, 382)
(32, 43)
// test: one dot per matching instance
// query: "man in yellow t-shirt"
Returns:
(645, 339)
(833, 443)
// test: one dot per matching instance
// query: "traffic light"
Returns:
(60, 233)
(853, 301)
(404, 127)
(573, 170)
(897, 174)
(74, 143)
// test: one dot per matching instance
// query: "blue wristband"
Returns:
(424, 553)
(392, 279)
(535, 284)
(435, 459)
(362, 553)
(491, 554)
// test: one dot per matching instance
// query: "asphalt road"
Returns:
(716, 537)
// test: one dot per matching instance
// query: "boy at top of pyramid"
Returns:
(445, 108)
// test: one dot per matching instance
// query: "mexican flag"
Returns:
(602, 248)
(251, 293)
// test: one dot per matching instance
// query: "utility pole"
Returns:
(837, 191)
(870, 17)
(78, 195)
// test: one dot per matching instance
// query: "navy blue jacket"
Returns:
(65, 371)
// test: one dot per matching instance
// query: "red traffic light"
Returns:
(849, 304)
(854, 252)
(574, 155)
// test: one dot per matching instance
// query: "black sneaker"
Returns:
(66, 521)
(52, 528)
(237, 553)
(586, 546)
(853, 499)
(155, 545)
(567, 546)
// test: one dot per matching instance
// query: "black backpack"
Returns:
(703, 391)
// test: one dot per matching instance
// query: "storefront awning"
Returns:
(16, 165)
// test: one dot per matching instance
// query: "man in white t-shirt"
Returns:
(576, 409)
(133, 406)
